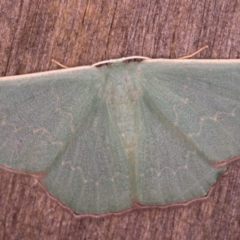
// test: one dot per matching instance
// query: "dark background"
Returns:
(82, 32)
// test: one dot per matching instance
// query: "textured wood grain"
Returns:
(83, 32)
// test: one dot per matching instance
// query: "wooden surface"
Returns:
(81, 32)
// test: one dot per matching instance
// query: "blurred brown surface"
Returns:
(82, 32)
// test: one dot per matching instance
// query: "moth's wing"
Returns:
(56, 123)
(188, 120)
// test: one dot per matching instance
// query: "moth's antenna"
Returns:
(193, 54)
(59, 64)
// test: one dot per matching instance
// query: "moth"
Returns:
(123, 134)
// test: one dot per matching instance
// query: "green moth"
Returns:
(109, 137)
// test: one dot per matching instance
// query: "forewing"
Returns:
(188, 120)
(56, 123)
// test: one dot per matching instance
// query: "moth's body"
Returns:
(121, 94)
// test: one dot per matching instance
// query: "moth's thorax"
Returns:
(121, 94)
